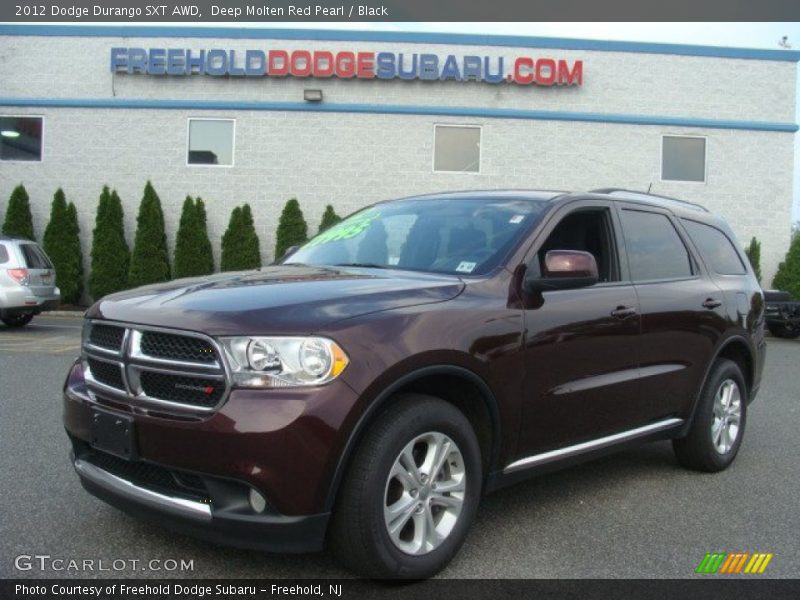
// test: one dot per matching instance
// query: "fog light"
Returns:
(257, 502)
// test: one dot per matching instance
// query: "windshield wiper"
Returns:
(366, 265)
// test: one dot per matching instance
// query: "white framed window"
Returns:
(21, 138)
(210, 142)
(683, 158)
(456, 148)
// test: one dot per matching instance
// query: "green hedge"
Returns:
(753, 252)
(18, 221)
(62, 243)
(110, 259)
(787, 278)
(240, 244)
(292, 229)
(150, 259)
(193, 254)
(329, 218)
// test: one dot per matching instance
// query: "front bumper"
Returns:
(284, 444)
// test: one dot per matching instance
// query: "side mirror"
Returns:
(563, 270)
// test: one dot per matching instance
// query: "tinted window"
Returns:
(21, 138)
(683, 158)
(3, 254)
(655, 250)
(716, 248)
(454, 235)
(457, 149)
(34, 257)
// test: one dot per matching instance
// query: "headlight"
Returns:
(283, 361)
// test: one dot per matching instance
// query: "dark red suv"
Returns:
(367, 391)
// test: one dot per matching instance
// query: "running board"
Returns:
(599, 443)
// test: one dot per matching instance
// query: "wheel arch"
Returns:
(444, 381)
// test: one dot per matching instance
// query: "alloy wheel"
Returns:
(727, 416)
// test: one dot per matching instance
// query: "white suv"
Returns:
(27, 282)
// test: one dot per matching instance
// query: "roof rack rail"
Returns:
(634, 195)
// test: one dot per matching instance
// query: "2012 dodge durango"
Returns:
(365, 392)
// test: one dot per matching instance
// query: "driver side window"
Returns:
(589, 230)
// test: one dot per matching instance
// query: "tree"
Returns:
(193, 253)
(292, 228)
(753, 252)
(787, 278)
(240, 244)
(329, 218)
(62, 244)
(110, 257)
(150, 259)
(19, 222)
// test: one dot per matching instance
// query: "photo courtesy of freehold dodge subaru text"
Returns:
(365, 392)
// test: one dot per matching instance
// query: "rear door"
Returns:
(682, 310)
(41, 274)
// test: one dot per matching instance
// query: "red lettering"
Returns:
(300, 65)
(366, 65)
(323, 64)
(345, 65)
(278, 63)
(573, 77)
(545, 71)
(526, 77)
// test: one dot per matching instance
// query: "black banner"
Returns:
(265, 11)
(706, 588)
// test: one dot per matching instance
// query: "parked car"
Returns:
(27, 282)
(782, 314)
(367, 391)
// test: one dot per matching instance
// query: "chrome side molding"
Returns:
(122, 487)
(597, 444)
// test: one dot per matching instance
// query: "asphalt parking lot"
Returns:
(636, 514)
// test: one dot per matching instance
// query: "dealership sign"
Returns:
(347, 64)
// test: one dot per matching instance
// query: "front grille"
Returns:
(106, 373)
(177, 347)
(154, 367)
(196, 391)
(150, 476)
(106, 336)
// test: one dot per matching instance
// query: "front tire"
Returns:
(17, 320)
(718, 427)
(410, 493)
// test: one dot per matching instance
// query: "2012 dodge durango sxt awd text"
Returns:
(367, 391)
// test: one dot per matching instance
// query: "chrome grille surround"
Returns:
(133, 362)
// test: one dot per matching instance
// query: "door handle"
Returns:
(623, 312)
(712, 303)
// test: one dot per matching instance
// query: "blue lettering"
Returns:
(255, 63)
(450, 69)
(412, 74)
(384, 66)
(175, 62)
(137, 60)
(119, 59)
(195, 61)
(490, 77)
(157, 65)
(233, 70)
(472, 68)
(428, 67)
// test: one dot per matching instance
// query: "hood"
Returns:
(290, 299)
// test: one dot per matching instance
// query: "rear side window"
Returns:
(3, 254)
(716, 248)
(655, 250)
(34, 257)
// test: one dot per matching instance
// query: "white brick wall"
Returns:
(349, 160)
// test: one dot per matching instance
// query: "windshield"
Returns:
(458, 235)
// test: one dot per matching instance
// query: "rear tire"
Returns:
(17, 320)
(719, 421)
(397, 520)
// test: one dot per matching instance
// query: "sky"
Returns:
(748, 35)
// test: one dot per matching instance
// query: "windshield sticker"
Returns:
(516, 219)
(465, 267)
(345, 230)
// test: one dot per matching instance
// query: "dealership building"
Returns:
(348, 118)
